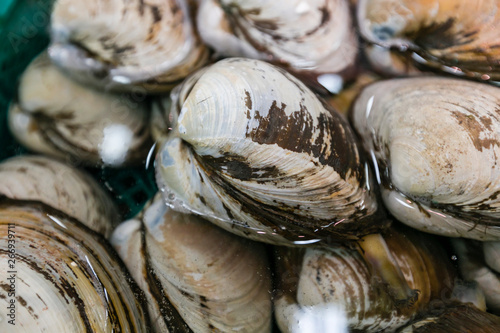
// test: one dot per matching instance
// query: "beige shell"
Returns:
(340, 281)
(455, 318)
(123, 45)
(196, 276)
(56, 116)
(312, 38)
(474, 266)
(61, 276)
(253, 150)
(459, 37)
(435, 144)
(71, 191)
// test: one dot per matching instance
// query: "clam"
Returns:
(477, 262)
(124, 45)
(56, 116)
(339, 280)
(253, 150)
(62, 276)
(455, 318)
(64, 188)
(458, 37)
(196, 277)
(435, 146)
(312, 38)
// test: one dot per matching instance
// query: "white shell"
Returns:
(63, 277)
(473, 265)
(256, 152)
(435, 144)
(305, 36)
(339, 280)
(193, 271)
(460, 37)
(57, 116)
(71, 191)
(123, 44)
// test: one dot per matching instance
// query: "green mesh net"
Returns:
(23, 35)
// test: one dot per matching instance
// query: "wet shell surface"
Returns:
(459, 37)
(339, 281)
(122, 45)
(256, 152)
(66, 277)
(197, 277)
(56, 116)
(435, 145)
(64, 188)
(313, 38)
(474, 264)
(456, 318)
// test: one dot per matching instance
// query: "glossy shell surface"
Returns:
(256, 152)
(197, 277)
(435, 145)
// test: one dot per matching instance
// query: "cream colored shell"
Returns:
(256, 152)
(64, 188)
(435, 144)
(458, 36)
(66, 278)
(56, 116)
(194, 274)
(312, 37)
(121, 44)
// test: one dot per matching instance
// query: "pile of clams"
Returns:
(281, 207)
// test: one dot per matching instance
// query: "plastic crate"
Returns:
(23, 35)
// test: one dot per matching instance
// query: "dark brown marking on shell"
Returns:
(277, 216)
(170, 315)
(325, 17)
(295, 133)
(156, 13)
(237, 167)
(63, 286)
(459, 318)
(474, 128)
(248, 102)
(440, 36)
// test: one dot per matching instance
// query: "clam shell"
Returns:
(338, 278)
(473, 265)
(455, 318)
(435, 146)
(125, 45)
(459, 37)
(66, 277)
(59, 117)
(256, 152)
(197, 277)
(312, 38)
(71, 191)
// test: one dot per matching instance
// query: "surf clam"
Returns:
(455, 318)
(66, 278)
(64, 188)
(435, 146)
(197, 277)
(56, 116)
(477, 262)
(123, 45)
(458, 37)
(339, 279)
(253, 150)
(313, 39)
